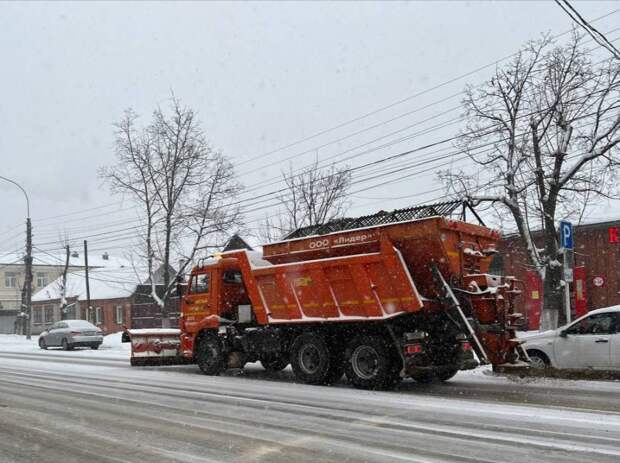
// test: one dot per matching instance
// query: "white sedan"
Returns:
(590, 342)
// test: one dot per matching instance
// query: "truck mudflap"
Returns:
(155, 346)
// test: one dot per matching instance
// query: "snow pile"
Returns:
(112, 347)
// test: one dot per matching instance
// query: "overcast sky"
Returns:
(261, 76)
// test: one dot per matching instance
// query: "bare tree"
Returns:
(133, 175)
(313, 196)
(544, 132)
(185, 189)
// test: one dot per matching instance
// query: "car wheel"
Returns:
(538, 360)
(94, 346)
(42, 344)
(66, 345)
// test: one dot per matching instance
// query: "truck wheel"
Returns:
(371, 364)
(426, 377)
(446, 374)
(274, 362)
(310, 359)
(435, 376)
(209, 355)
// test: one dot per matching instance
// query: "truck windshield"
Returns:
(200, 283)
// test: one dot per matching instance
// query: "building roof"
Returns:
(76, 259)
(577, 228)
(116, 278)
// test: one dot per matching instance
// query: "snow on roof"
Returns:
(118, 279)
(75, 260)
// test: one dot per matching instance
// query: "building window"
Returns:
(37, 316)
(120, 315)
(41, 279)
(98, 316)
(10, 279)
(49, 314)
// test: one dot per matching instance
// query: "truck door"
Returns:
(199, 301)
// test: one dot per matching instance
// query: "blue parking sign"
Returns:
(566, 234)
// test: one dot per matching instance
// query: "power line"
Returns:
(594, 33)
(278, 179)
(105, 238)
(400, 101)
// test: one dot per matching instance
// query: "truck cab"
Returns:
(214, 293)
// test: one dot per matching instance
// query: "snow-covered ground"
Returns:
(51, 400)
(111, 347)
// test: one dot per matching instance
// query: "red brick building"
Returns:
(112, 286)
(110, 315)
(596, 268)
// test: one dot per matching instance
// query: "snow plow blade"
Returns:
(517, 368)
(155, 346)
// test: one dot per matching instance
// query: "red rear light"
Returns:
(411, 349)
(466, 345)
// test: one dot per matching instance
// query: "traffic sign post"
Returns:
(567, 245)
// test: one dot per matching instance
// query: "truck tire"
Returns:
(209, 355)
(445, 375)
(435, 376)
(274, 362)
(372, 364)
(311, 359)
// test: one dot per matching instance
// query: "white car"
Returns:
(590, 342)
(71, 333)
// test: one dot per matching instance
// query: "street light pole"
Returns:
(27, 259)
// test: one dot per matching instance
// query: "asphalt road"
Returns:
(59, 408)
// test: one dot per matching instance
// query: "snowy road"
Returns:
(91, 406)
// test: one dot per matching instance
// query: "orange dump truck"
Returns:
(379, 298)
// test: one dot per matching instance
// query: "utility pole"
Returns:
(63, 309)
(88, 310)
(28, 277)
(27, 261)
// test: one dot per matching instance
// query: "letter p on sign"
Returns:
(566, 235)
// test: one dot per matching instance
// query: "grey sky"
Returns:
(261, 75)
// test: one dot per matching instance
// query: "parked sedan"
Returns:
(71, 333)
(590, 342)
